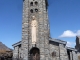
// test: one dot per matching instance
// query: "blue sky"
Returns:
(64, 19)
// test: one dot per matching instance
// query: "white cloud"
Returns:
(69, 33)
(78, 32)
(70, 44)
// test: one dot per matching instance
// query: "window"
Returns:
(31, 4)
(36, 3)
(53, 54)
(31, 10)
(36, 10)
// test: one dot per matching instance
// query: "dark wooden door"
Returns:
(35, 55)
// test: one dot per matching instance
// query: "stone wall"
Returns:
(59, 51)
(15, 52)
(63, 52)
(54, 51)
(78, 54)
(75, 56)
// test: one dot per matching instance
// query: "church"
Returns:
(36, 43)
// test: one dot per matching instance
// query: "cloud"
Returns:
(70, 44)
(69, 33)
(78, 32)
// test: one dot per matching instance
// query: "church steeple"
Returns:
(35, 29)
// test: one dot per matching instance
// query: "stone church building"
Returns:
(36, 43)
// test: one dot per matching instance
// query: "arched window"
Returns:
(31, 10)
(36, 3)
(53, 54)
(36, 10)
(31, 4)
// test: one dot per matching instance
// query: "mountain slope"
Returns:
(3, 48)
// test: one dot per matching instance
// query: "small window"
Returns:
(31, 4)
(31, 10)
(36, 10)
(36, 3)
(53, 54)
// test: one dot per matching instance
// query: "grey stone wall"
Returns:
(63, 52)
(20, 52)
(75, 56)
(55, 49)
(60, 51)
(71, 56)
(25, 31)
(78, 54)
(43, 31)
(15, 52)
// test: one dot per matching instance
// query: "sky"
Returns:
(64, 20)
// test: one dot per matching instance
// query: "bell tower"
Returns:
(35, 30)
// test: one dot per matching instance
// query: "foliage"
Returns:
(4, 53)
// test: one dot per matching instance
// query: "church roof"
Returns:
(72, 49)
(53, 40)
(58, 41)
(16, 44)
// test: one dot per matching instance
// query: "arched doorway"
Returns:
(34, 54)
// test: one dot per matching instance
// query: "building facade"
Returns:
(78, 46)
(36, 43)
(78, 43)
